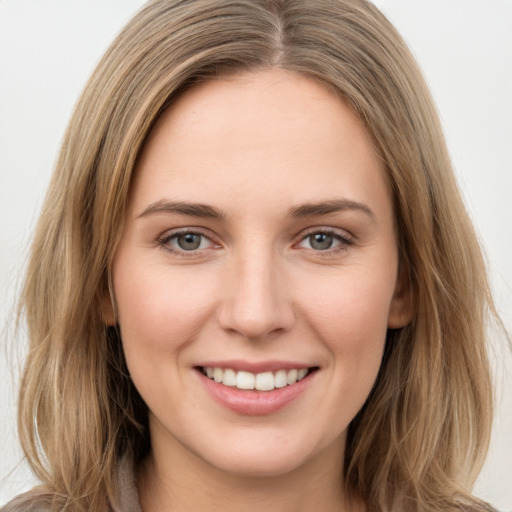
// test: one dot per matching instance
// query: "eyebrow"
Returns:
(193, 209)
(210, 212)
(327, 207)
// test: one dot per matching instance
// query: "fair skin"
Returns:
(289, 263)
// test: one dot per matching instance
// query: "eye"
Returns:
(325, 240)
(321, 241)
(186, 242)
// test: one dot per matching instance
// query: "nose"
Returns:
(256, 299)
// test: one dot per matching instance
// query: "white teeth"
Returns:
(265, 381)
(280, 379)
(229, 378)
(245, 380)
(301, 373)
(218, 374)
(291, 377)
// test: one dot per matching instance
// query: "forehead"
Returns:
(265, 108)
(256, 133)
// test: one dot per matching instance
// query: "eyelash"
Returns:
(164, 240)
(345, 240)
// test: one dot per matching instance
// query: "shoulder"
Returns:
(39, 499)
(32, 501)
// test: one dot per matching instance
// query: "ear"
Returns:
(401, 310)
(107, 309)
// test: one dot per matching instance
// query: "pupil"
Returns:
(189, 241)
(321, 241)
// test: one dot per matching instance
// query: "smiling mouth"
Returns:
(264, 381)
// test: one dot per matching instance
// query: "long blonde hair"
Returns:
(420, 440)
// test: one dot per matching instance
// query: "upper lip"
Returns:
(254, 367)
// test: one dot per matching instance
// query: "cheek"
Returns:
(350, 317)
(351, 307)
(158, 310)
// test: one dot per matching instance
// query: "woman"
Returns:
(254, 284)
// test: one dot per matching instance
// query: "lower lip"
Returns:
(255, 403)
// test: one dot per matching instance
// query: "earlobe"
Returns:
(401, 310)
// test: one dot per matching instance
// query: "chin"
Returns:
(281, 457)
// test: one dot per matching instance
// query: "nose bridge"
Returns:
(256, 301)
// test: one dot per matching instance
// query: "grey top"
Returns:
(34, 501)
(129, 496)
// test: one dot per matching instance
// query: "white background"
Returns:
(48, 48)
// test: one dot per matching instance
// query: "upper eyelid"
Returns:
(342, 233)
(170, 233)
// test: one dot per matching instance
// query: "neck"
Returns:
(189, 483)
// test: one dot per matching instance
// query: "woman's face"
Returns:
(259, 247)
